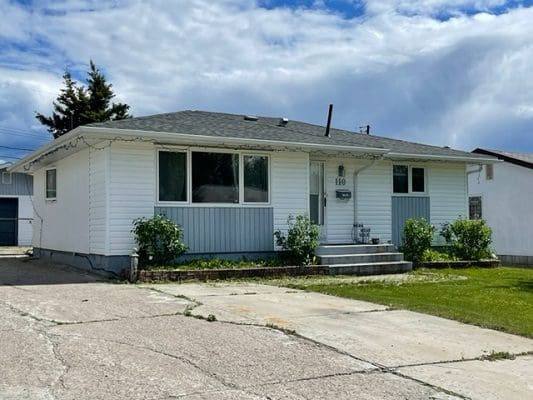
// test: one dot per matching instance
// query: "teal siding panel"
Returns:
(224, 229)
(404, 208)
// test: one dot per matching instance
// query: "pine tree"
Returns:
(77, 105)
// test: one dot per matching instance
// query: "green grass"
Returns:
(497, 298)
(217, 263)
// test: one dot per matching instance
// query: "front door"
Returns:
(8, 221)
(317, 198)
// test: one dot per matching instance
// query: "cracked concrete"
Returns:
(69, 335)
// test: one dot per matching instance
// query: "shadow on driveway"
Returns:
(19, 272)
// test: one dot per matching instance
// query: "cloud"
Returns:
(410, 74)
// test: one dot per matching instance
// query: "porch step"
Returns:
(375, 268)
(336, 249)
(360, 258)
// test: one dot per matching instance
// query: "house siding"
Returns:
(65, 221)
(506, 206)
(447, 188)
(290, 186)
(131, 192)
(374, 192)
(98, 194)
(223, 229)
(21, 185)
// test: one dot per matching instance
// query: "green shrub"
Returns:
(417, 238)
(434, 255)
(468, 239)
(159, 240)
(301, 240)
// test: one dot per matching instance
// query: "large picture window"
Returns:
(172, 176)
(255, 179)
(215, 177)
(51, 184)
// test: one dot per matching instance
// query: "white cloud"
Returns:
(409, 76)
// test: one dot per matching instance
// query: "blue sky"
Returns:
(454, 72)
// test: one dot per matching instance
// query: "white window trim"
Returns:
(410, 192)
(189, 151)
(51, 199)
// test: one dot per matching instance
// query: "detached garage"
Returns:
(16, 211)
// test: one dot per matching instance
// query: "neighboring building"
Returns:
(16, 212)
(502, 195)
(231, 181)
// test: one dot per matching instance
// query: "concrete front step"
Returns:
(371, 268)
(359, 258)
(333, 249)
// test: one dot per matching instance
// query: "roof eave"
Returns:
(436, 157)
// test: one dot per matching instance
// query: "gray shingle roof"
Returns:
(267, 128)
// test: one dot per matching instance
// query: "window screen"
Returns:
(172, 176)
(255, 179)
(400, 179)
(418, 179)
(215, 178)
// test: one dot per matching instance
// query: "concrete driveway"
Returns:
(69, 335)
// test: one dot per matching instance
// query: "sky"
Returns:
(456, 73)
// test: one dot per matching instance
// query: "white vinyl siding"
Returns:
(290, 186)
(374, 206)
(98, 200)
(338, 213)
(131, 187)
(25, 221)
(448, 193)
(65, 220)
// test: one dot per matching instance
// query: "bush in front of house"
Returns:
(468, 239)
(159, 240)
(301, 239)
(417, 238)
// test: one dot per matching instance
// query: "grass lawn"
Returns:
(497, 298)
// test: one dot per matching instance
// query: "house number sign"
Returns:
(340, 181)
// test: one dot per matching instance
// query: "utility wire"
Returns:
(14, 158)
(16, 148)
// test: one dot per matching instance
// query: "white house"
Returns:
(502, 194)
(231, 181)
(16, 211)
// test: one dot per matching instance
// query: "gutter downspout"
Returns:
(478, 170)
(355, 176)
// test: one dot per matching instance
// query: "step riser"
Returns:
(377, 269)
(354, 249)
(358, 259)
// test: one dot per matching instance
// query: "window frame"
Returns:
(410, 191)
(46, 184)
(480, 197)
(9, 180)
(189, 151)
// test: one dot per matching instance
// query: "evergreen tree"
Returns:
(77, 105)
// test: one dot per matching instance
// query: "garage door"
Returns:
(8, 222)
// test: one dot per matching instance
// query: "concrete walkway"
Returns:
(437, 352)
(70, 335)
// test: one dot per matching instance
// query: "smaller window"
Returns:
(51, 184)
(6, 178)
(489, 172)
(400, 179)
(418, 180)
(255, 179)
(474, 207)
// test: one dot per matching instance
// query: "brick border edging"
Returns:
(219, 274)
(457, 264)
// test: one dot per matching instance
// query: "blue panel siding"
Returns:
(404, 208)
(21, 185)
(224, 229)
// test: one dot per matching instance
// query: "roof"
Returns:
(203, 128)
(268, 128)
(522, 159)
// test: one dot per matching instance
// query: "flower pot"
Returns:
(375, 240)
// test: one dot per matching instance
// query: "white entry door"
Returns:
(317, 198)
